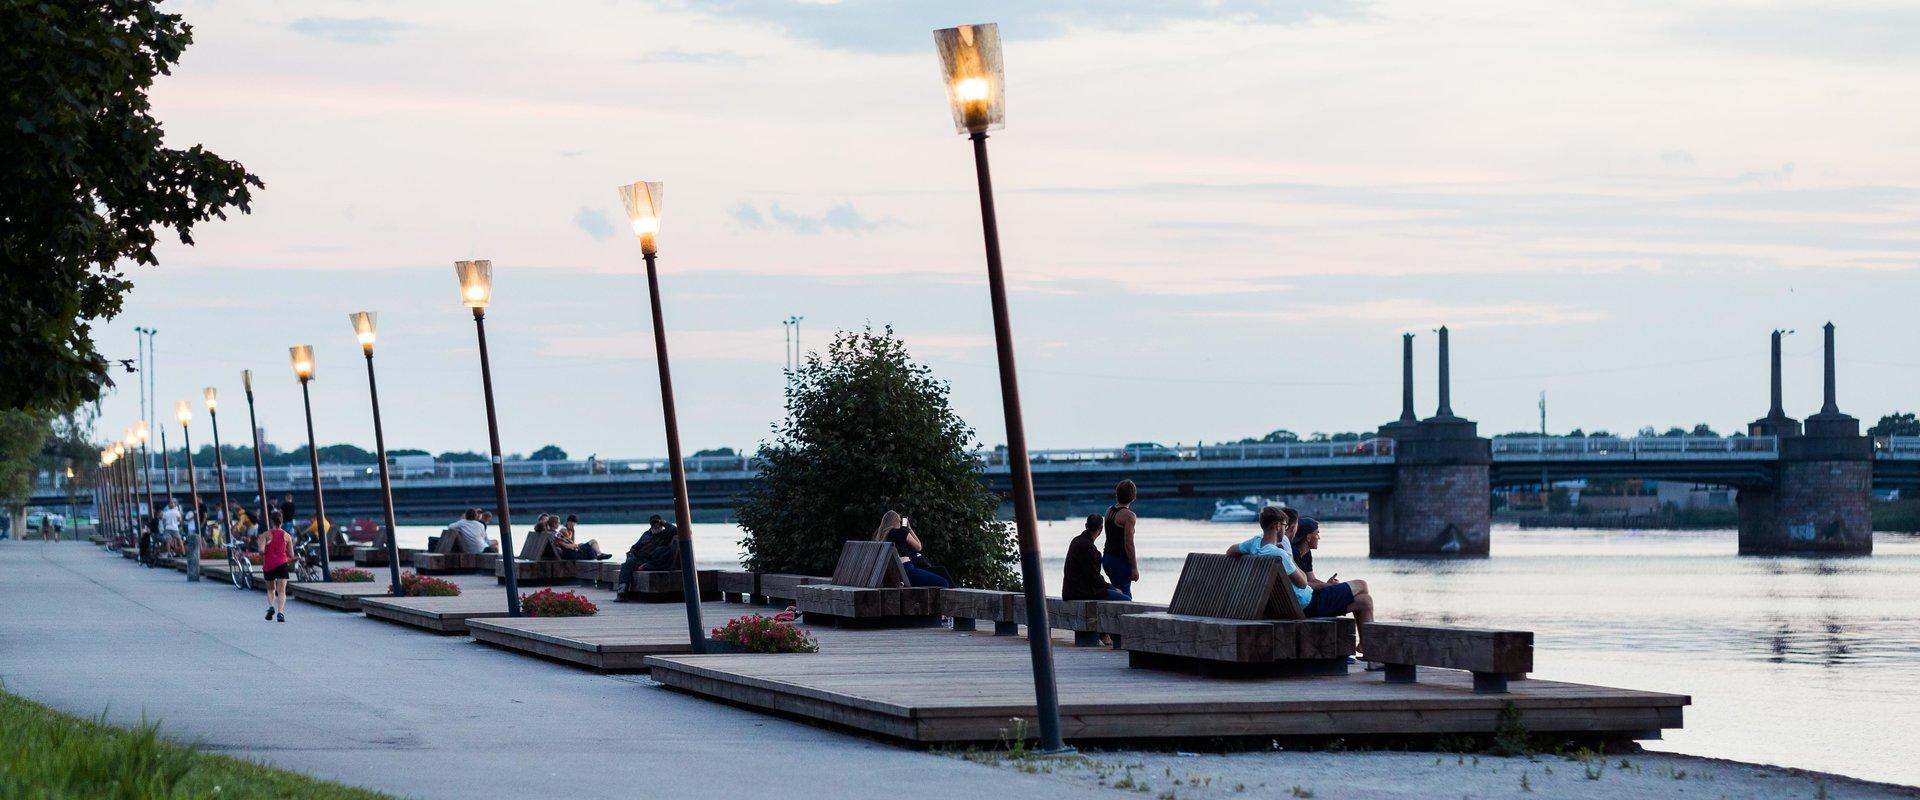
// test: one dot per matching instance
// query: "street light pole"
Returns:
(219, 463)
(642, 199)
(259, 463)
(975, 81)
(476, 290)
(363, 324)
(185, 413)
(303, 369)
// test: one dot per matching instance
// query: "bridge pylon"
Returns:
(1822, 492)
(1440, 503)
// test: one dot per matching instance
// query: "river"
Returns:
(1800, 662)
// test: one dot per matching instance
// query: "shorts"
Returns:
(279, 573)
(1331, 600)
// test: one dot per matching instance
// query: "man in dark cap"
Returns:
(657, 550)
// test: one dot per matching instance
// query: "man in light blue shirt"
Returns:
(1272, 543)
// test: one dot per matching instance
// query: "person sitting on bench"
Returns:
(472, 532)
(568, 549)
(657, 551)
(1083, 580)
(898, 530)
(1306, 539)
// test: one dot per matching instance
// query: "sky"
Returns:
(1217, 217)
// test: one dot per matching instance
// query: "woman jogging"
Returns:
(275, 552)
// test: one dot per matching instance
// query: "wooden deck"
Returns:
(438, 614)
(618, 639)
(934, 685)
(342, 596)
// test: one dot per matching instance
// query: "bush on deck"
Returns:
(868, 430)
(416, 585)
(549, 603)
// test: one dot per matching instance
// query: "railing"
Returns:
(1896, 448)
(1362, 451)
(1577, 448)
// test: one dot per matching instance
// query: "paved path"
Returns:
(388, 707)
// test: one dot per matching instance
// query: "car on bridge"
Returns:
(1148, 451)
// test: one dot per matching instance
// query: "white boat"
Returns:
(1229, 511)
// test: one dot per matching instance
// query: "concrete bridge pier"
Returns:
(1820, 501)
(1440, 503)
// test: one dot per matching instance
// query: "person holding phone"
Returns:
(1331, 597)
(899, 530)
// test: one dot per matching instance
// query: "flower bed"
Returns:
(549, 603)
(758, 634)
(416, 585)
(213, 554)
(352, 575)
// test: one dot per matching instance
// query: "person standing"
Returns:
(1119, 561)
(170, 527)
(275, 552)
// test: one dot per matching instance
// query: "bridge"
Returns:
(1428, 480)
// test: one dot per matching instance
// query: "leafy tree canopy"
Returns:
(88, 184)
(464, 457)
(551, 452)
(869, 430)
(1898, 423)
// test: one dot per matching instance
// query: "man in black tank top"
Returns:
(1118, 559)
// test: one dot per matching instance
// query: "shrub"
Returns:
(868, 430)
(352, 575)
(416, 585)
(549, 603)
(213, 554)
(760, 634)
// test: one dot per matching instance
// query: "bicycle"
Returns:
(238, 566)
(306, 566)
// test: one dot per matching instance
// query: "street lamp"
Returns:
(642, 200)
(476, 291)
(259, 463)
(970, 56)
(184, 412)
(138, 435)
(303, 369)
(219, 462)
(363, 323)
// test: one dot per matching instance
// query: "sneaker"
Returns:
(279, 618)
(603, 556)
(269, 616)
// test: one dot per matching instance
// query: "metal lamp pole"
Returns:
(146, 480)
(642, 199)
(259, 464)
(220, 463)
(185, 413)
(971, 57)
(303, 369)
(476, 290)
(363, 323)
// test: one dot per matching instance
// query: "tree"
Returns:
(404, 451)
(551, 452)
(464, 457)
(88, 184)
(868, 430)
(1897, 423)
(716, 452)
(1702, 429)
(21, 435)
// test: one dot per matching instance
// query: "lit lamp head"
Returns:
(184, 412)
(363, 329)
(140, 432)
(970, 57)
(642, 199)
(476, 282)
(302, 355)
(213, 400)
(246, 382)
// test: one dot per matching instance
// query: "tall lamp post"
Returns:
(642, 199)
(970, 55)
(303, 369)
(219, 462)
(184, 411)
(103, 490)
(149, 518)
(259, 463)
(476, 291)
(363, 323)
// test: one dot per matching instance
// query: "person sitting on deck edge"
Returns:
(1306, 539)
(572, 549)
(920, 572)
(1082, 580)
(472, 533)
(658, 550)
(1332, 601)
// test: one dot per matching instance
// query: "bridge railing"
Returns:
(1896, 447)
(1627, 448)
(1363, 451)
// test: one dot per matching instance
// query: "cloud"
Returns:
(594, 222)
(1831, 32)
(890, 26)
(1412, 313)
(691, 57)
(350, 30)
(842, 217)
(1677, 158)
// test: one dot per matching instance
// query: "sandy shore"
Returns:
(1283, 774)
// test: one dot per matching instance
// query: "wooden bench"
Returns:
(968, 606)
(376, 555)
(1236, 616)
(784, 587)
(1492, 656)
(668, 586)
(446, 558)
(538, 563)
(868, 588)
(1090, 619)
(738, 586)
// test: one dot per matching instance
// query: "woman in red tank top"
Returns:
(276, 550)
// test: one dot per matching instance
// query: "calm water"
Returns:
(1804, 662)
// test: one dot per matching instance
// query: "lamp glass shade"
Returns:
(476, 282)
(302, 355)
(140, 433)
(363, 328)
(642, 199)
(246, 380)
(213, 398)
(183, 411)
(970, 59)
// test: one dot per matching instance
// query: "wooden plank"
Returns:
(869, 565)
(1217, 585)
(733, 581)
(1209, 638)
(978, 604)
(784, 586)
(1473, 649)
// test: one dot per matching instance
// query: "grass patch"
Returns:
(47, 754)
